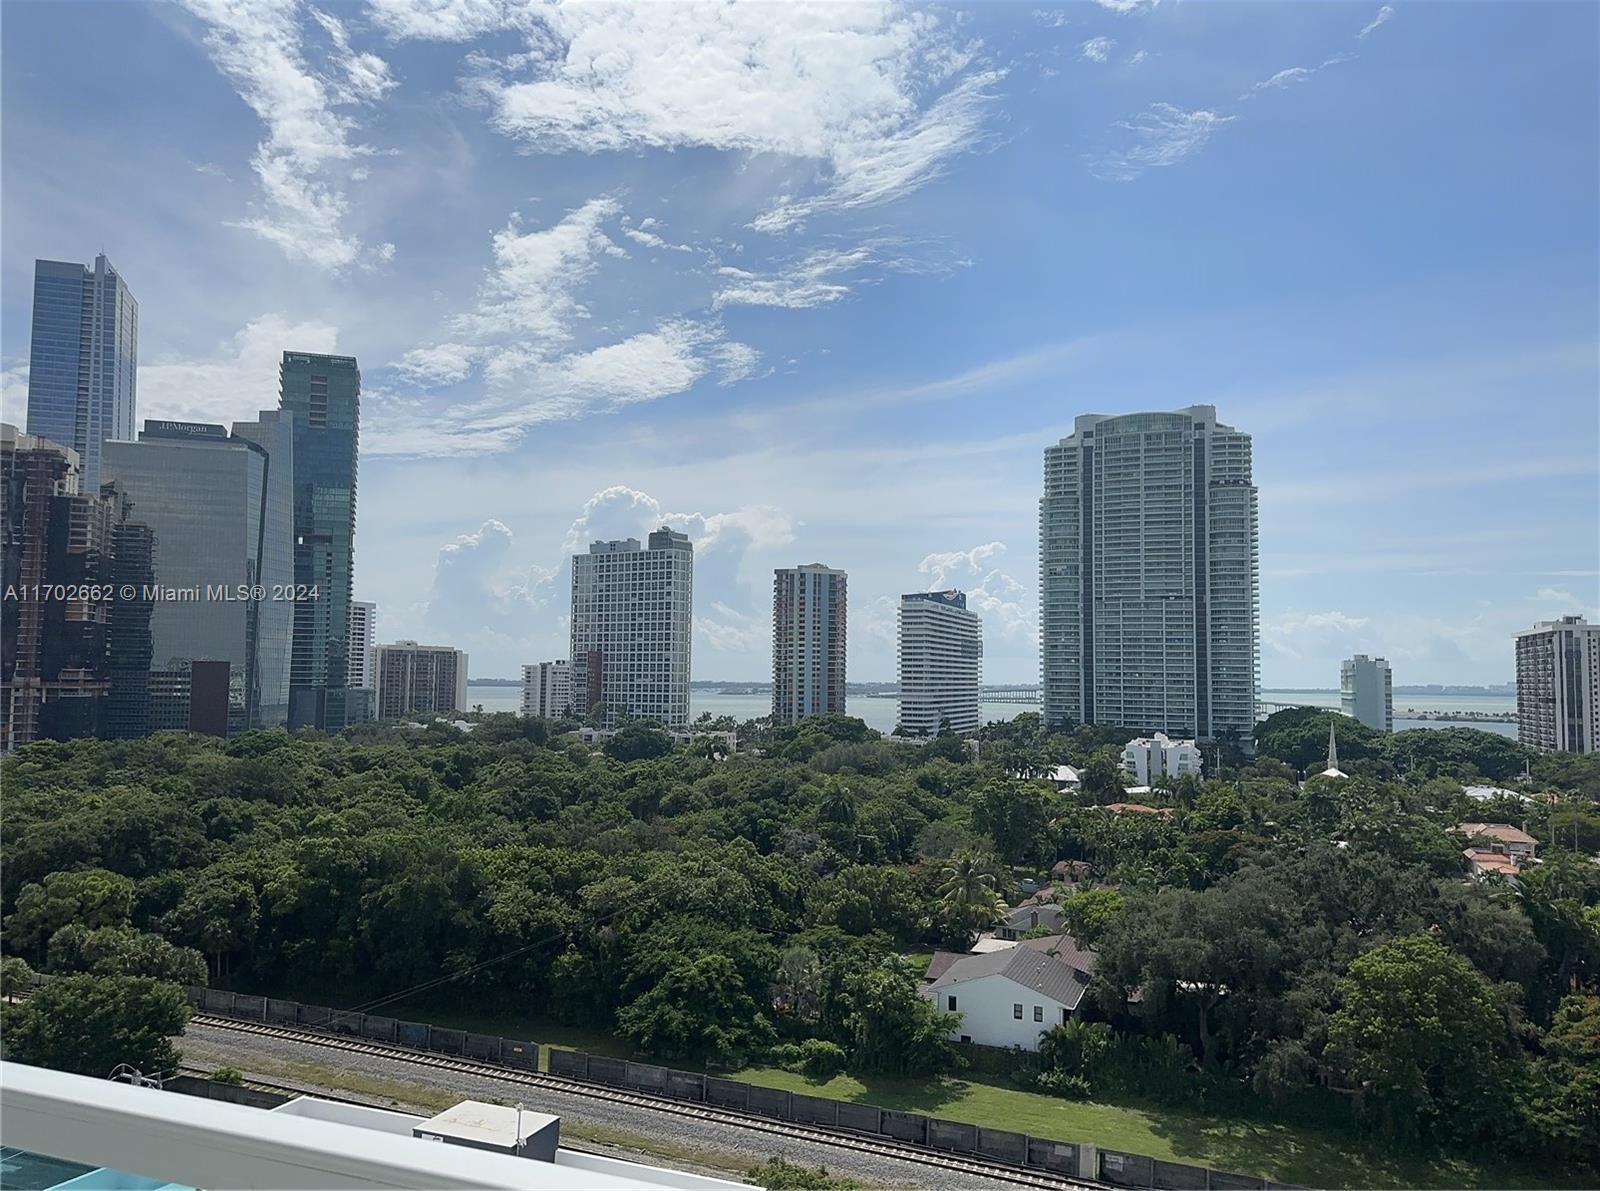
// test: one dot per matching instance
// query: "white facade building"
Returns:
(1558, 686)
(1150, 757)
(808, 642)
(363, 616)
(547, 689)
(941, 664)
(1148, 574)
(1010, 996)
(632, 620)
(1366, 691)
(419, 678)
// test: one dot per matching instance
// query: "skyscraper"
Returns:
(941, 664)
(1558, 686)
(362, 615)
(82, 360)
(323, 393)
(1366, 692)
(547, 689)
(808, 642)
(221, 509)
(54, 674)
(1148, 575)
(632, 617)
(412, 678)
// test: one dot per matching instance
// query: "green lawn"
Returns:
(1287, 1153)
(1283, 1152)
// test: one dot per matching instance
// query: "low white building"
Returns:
(1151, 757)
(1008, 998)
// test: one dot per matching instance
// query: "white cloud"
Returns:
(818, 278)
(1137, 57)
(1056, 18)
(1127, 6)
(808, 283)
(238, 381)
(641, 235)
(1293, 76)
(258, 46)
(521, 333)
(528, 291)
(1162, 136)
(1097, 49)
(840, 85)
(952, 562)
(446, 20)
(1004, 603)
(443, 363)
(1383, 16)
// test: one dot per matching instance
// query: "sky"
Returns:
(821, 284)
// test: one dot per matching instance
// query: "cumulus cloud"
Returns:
(1162, 136)
(1097, 49)
(958, 562)
(881, 99)
(1005, 604)
(482, 598)
(238, 380)
(260, 47)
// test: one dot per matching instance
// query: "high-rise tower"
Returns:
(323, 393)
(632, 616)
(1148, 575)
(83, 358)
(808, 642)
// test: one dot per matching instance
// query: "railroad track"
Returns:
(878, 1147)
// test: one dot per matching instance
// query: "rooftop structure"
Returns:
(165, 1138)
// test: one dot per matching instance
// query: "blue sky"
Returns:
(820, 285)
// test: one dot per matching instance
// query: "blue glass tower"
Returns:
(81, 367)
(323, 395)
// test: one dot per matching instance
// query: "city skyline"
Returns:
(1050, 229)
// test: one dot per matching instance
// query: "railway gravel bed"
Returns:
(702, 1146)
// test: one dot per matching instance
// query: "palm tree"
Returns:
(838, 804)
(967, 892)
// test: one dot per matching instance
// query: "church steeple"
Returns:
(1333, 769)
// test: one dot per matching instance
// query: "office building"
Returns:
(323, 393)
(82, 362)
(547, 689)
(1150, 757)
(220, 508)
(1148, 575)
(632, 617)
(1366, 693)
(941, 664)
(363, 614)
(57, 540)
(808, 642)
(1558, 686)
(414, 678)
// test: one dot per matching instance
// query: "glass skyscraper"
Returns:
(220, 508)
(1148, 575)
(323, 395)
(82, 361)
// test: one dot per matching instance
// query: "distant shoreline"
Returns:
(877, 688)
